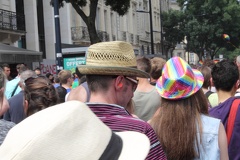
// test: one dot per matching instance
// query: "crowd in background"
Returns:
(185, 111)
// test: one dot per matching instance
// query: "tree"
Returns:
(206, 21)
(119, 6)
(173, 32)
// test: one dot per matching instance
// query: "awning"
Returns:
(11, 54)
(73, 49)
(7, 49)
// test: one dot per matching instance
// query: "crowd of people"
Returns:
(119, 106)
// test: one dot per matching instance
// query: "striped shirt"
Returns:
(118, 119)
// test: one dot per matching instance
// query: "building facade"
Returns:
(36, 30)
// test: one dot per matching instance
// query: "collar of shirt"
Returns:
(107, 109)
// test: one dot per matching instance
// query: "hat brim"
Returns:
(135, 145)
(106, 70)
(199, 82)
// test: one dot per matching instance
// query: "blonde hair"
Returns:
(63, 76)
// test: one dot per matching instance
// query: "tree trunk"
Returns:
(92, 31)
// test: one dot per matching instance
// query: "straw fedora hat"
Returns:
(111, 58)
(71, 131)
(178, 80)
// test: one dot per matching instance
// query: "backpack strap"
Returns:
(231, 118)
(14, 90)
(208, 93)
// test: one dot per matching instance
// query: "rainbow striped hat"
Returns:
(178, 80)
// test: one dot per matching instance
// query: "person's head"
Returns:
(182, 103)
(225, 75)
(208, 62)
(111, 67)
(144, 64)
(37, 71)
(157, 65)
(65, 77)
(71, 130)
(25, 75)
(21, 69)
(50, 77)
(39, 94)
(61, 93)
(56, 79)
(6, 69)
(206, 72)
(81, 77)
(20, 66)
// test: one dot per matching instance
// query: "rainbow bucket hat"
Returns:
(178, 80)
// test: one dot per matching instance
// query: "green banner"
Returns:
(72, 63)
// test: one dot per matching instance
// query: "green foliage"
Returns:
(229, 54)
(119, 6)
(205, 21)
(172, 26)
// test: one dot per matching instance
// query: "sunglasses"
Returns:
(133, 81)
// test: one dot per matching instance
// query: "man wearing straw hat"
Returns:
(111, 76)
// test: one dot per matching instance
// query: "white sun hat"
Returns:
(71, 131)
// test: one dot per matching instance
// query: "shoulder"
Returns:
(6, 125)
(78, 93)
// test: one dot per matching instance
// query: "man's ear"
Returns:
(237, 84)
(211, 82)
(119, 82)
(25, 106)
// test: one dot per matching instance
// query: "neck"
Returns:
(144, 85)
(66, 86)
(223, 95)
(102, 98)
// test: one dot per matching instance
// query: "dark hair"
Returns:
(98, 82)
(78, 73)
(5, 65)
(144, 64)
(225, 75)
(48, 75)
(61, 93)
(40, 94)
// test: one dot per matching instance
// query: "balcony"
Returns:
(137, 39)
(124, 36)
(104, 36)
(12, 21)
(80, 34)
(131, 38)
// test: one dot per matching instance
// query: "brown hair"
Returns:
(144, 64)
(176, 127)
(206, 72)
(157, 65)
(40, 94)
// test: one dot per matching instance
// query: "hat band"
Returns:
(113, 148)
